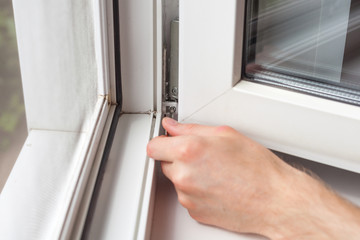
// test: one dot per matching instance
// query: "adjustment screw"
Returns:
(172, 109)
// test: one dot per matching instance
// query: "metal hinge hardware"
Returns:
(171, 83)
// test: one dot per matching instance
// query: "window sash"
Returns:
(310, 127)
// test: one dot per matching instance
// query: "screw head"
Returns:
(172, 109)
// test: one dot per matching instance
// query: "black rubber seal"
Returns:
(114, 123)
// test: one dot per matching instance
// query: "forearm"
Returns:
(225, 179)
(309, 210)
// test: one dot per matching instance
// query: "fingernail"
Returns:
(171, 121)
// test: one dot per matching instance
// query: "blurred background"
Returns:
(13, 130)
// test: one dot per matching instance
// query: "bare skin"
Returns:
(227, 180)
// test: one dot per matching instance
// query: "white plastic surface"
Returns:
(64, 73)
(206, 52)
(85, 164)
(310, 127)
(298, 124)
(35, 199)
(45, 187)
(172, 221)
(104, 50)
(119, 204)
(81, 214)
(158, 50)
(147, 207)
(137, 54)
(58, 61)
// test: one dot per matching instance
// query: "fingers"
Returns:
(175, 128)
(167, 168)
(160, 148)
(179, 148)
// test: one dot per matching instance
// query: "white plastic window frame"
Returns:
(211, 91)
(45, 190)
(141, 43)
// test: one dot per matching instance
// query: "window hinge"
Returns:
(171, 74)
(170, 109)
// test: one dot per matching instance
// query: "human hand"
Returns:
(225, 179)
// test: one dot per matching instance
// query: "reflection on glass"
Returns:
(297, 41)
(12, 113)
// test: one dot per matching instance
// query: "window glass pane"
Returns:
(62, 55)
(13, 129)
(308, 45)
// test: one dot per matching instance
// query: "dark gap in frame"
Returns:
(249, 39)
(114, 122)
(116, 24)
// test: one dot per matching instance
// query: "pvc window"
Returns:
(63, 52)
(309, 46)
(215, 89)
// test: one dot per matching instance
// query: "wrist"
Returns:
(304, 208)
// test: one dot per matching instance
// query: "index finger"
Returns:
(175, 128)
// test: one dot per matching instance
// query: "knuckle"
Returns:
(181, 182)
(190, 149)
(183, 200)
(186, 184)
(225, 129)
(186, 150)
(186, 202)
(164, 169)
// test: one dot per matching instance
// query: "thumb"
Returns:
(175, 128)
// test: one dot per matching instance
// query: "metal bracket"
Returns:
(170, 109)
(170, 98)
(174, 62)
